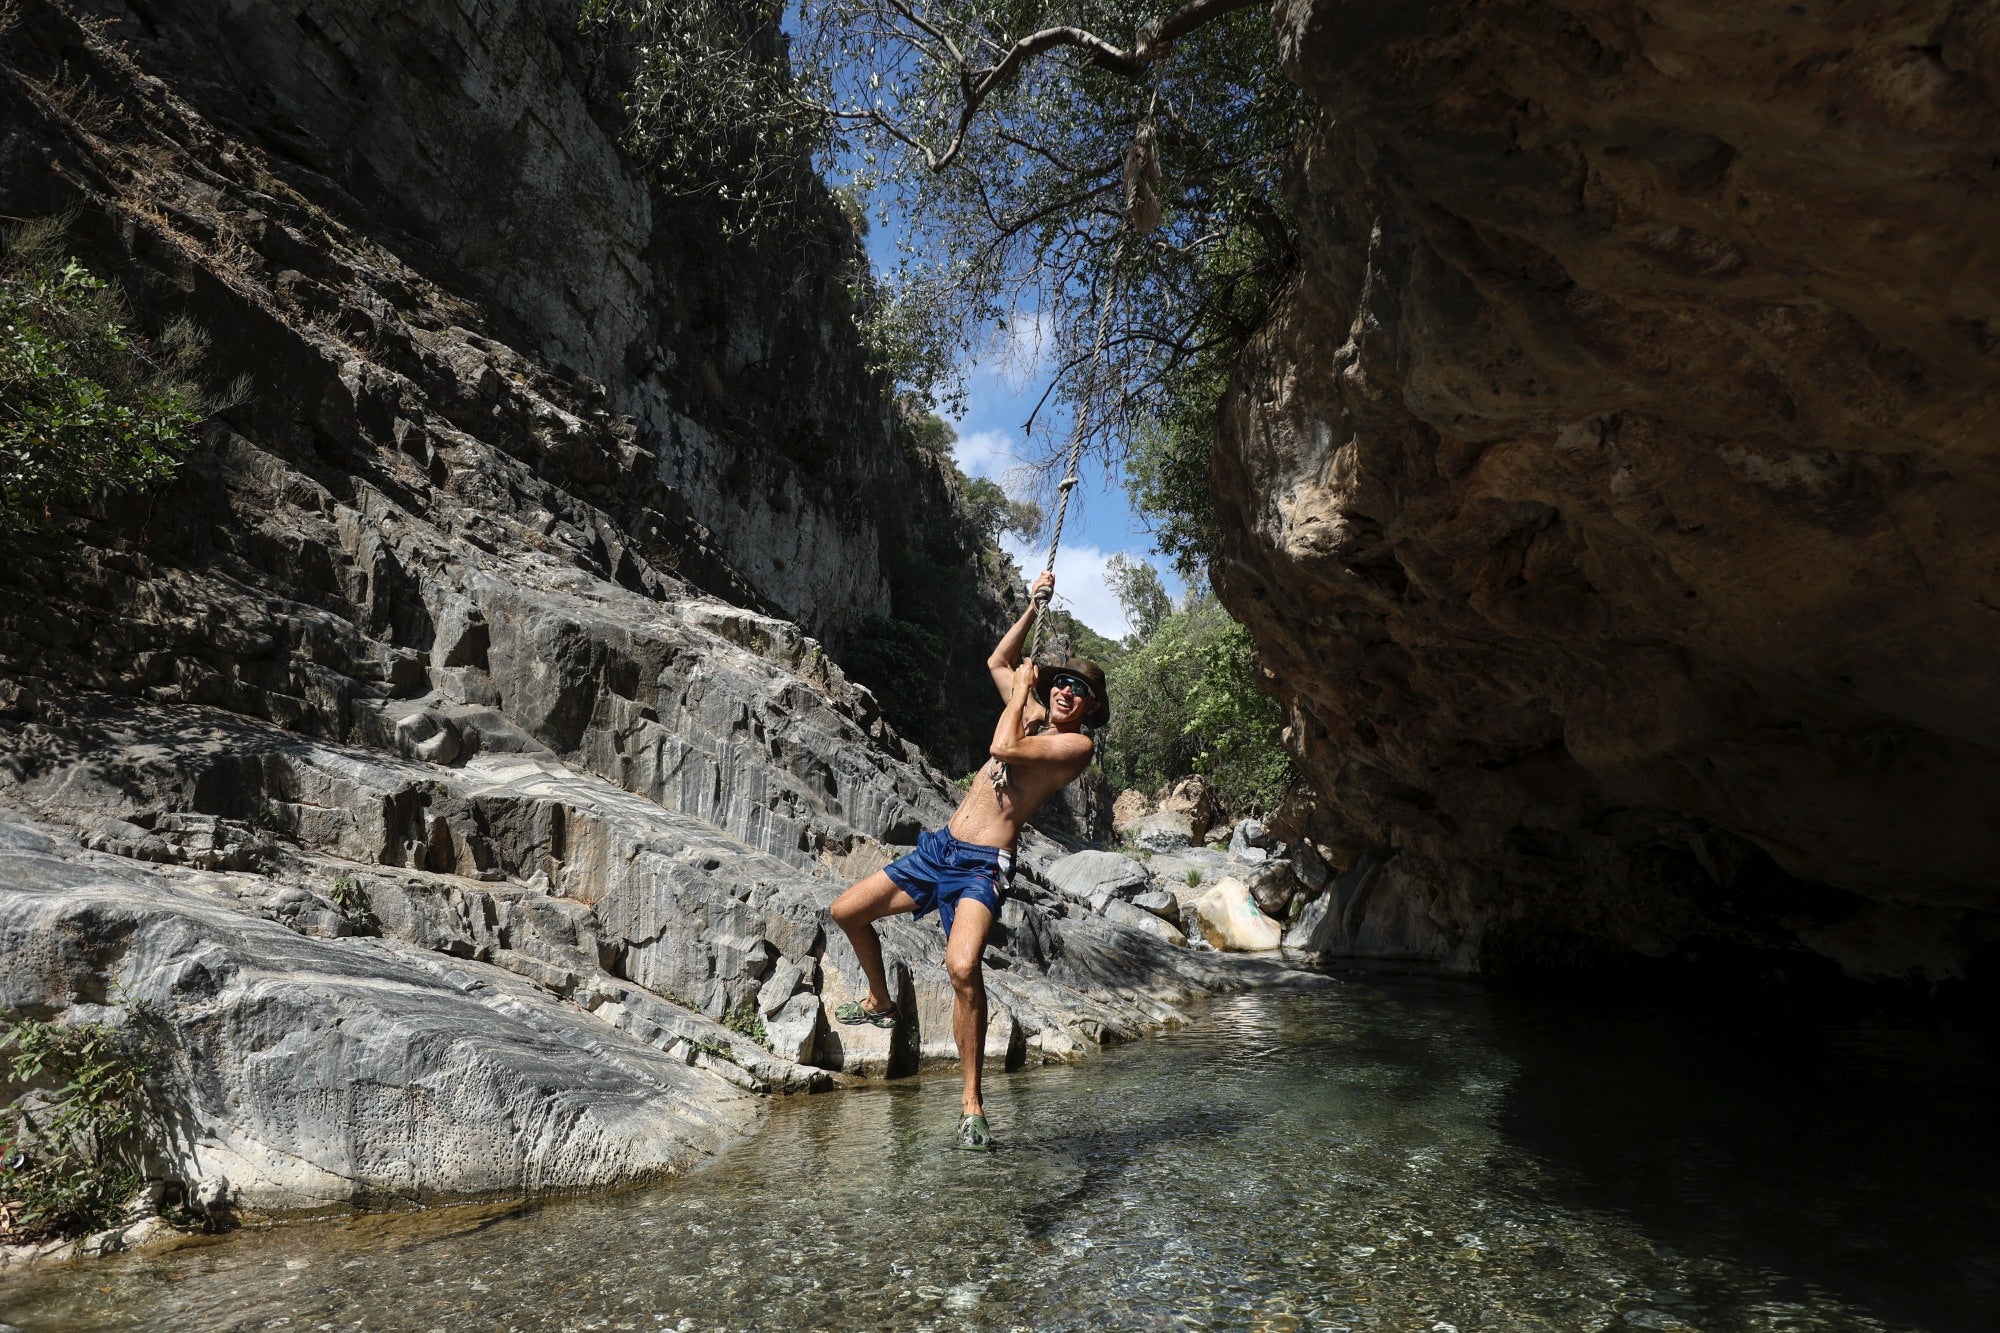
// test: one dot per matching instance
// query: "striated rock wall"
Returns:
(422, 755)
(479, 139)
(1612, 497)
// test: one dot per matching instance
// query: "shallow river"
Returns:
(1394, 1154)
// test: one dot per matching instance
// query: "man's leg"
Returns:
(854, 912)
(968, 983)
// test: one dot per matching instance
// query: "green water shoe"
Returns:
(973, 1136)
(855, 1012)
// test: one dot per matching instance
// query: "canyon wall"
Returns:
(1612, 496)
(432, 757)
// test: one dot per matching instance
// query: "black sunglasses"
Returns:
(1075, 684)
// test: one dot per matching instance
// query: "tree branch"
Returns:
(1151, 46)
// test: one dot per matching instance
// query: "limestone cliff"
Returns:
(431, 756)
(1612, 496)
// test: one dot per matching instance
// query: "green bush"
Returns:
(351, 898)
(86, 405)
(73, 1156)
(745, 1021)
(1186, 701)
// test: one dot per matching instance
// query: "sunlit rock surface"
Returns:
(1612, 497)
(433, 755)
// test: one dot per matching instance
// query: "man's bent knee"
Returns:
(848, 911)
(966, 973)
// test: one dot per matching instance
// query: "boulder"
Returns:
(317, 1057)
(1163, 832)
(1126, 812)
(1194, 798)
(1087, 877)
(1127, 914)
(1161, 904)
(1310, 867)
(1228, 919)
(1378, 908)
(1250, 834)
(429, 737)
(793, 1031)
(1272, 887)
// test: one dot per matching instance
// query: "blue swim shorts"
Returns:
(943, 870)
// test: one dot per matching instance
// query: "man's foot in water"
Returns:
(973, 1136)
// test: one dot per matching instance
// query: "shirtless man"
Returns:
(962, 869)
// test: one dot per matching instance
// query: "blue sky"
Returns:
(1003, 386)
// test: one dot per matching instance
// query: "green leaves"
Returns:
(712, 109)
(85, 407)
(71, 1142)
(1186, 701)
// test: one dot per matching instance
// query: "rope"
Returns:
(997, 771)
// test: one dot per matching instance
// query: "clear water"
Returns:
(1387, 1154)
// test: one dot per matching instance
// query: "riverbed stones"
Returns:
(1228, 919)
(1160, 903)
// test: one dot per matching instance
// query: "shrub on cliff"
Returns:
(86, 405)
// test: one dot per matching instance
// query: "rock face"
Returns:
(1612, 495)
(429, 755)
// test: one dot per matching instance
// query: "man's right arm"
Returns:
(1007, 653)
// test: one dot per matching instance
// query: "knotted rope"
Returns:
(997, 771)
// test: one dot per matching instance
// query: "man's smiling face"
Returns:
(1071, 699)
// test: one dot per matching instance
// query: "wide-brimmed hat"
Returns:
(1090, 671)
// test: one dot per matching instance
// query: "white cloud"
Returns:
(1080, 586)
(986, 453)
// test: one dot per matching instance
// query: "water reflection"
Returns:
(1386, 1155)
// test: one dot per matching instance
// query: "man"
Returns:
(961, 871)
